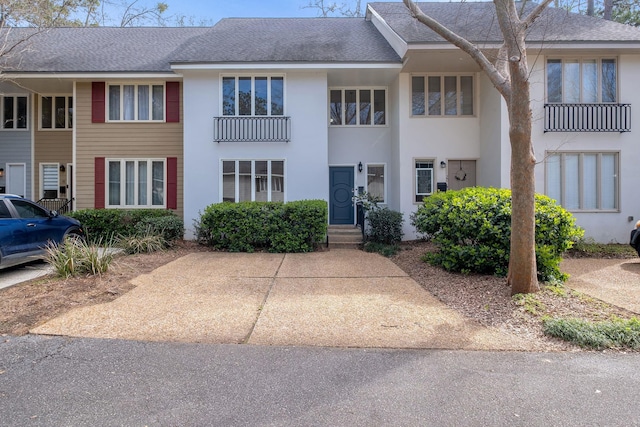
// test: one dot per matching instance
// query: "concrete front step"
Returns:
(344, 237)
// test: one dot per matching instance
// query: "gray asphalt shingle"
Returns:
(101, 49)
(314, 40)
(477, 22)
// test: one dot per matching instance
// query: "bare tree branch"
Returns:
(499, 80)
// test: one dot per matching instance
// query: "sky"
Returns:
(214, 10)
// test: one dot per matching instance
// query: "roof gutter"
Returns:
(84, 75)
(283, 65)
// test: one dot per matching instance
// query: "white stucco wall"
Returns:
(430, 138)
(602, 226)
(305, 156)
(494, 137)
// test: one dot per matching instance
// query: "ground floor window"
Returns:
(253, 180)
(375, 182)
(583, 180)
(50, 180)
(136, 183)
(424, 179)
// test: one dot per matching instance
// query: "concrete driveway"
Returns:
(343, 298)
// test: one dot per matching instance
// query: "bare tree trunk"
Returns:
(522, 276)
(590, 7)
(608, 9)
(510, 76)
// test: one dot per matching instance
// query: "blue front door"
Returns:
(341, 191)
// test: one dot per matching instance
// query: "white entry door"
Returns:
(17, 179)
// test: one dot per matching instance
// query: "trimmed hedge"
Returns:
(385, 226)
(103, 225)
(273, 226)
(472, 229)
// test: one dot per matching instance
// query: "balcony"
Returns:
(252, 129)
(587, 118)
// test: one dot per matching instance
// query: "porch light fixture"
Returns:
(360, 167)
(62, 168)
(1, 172)
(443, 164)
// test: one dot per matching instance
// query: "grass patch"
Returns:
(588, 248)
(382, 248)
(530, 302)
(616, 333)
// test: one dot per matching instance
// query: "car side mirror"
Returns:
(53, 214)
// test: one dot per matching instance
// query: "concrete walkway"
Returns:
(23, 273)
(342, 298)
(616, 281)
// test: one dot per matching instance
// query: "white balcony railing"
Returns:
(587, 117)
(251, 129)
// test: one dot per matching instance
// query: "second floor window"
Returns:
(136, 102)
(253, 96)
(442, 96)
(13, 110)
(56, 112)
(363, 107)
(581, 81)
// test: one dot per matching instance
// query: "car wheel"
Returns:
(74, 237)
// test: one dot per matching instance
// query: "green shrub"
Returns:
(384, 226)
(472, 229)
(104, 224)
(273, 226)
(76, 256)
(170, 228)
(616, 333)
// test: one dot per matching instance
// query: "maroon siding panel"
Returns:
(99, 187)
(97, 102)
(172, 183)
(173, 102)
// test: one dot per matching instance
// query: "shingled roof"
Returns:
(100, 49)
(285, 40)
(476, 21)
(256, 40)
(309, 40)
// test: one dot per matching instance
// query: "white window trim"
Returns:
(384, 179)
(599, 59)
(342, 90)
(53, 114)
(123, 183)
(15, 111)
(442, 98)
(135, 104)
(580, 181)
(415, 177)
(269, 76)
(253, 178)
(42, 166)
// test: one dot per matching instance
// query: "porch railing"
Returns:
(587, 117)
(62, 206)
(251, 129)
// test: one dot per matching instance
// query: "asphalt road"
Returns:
(78, 382)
